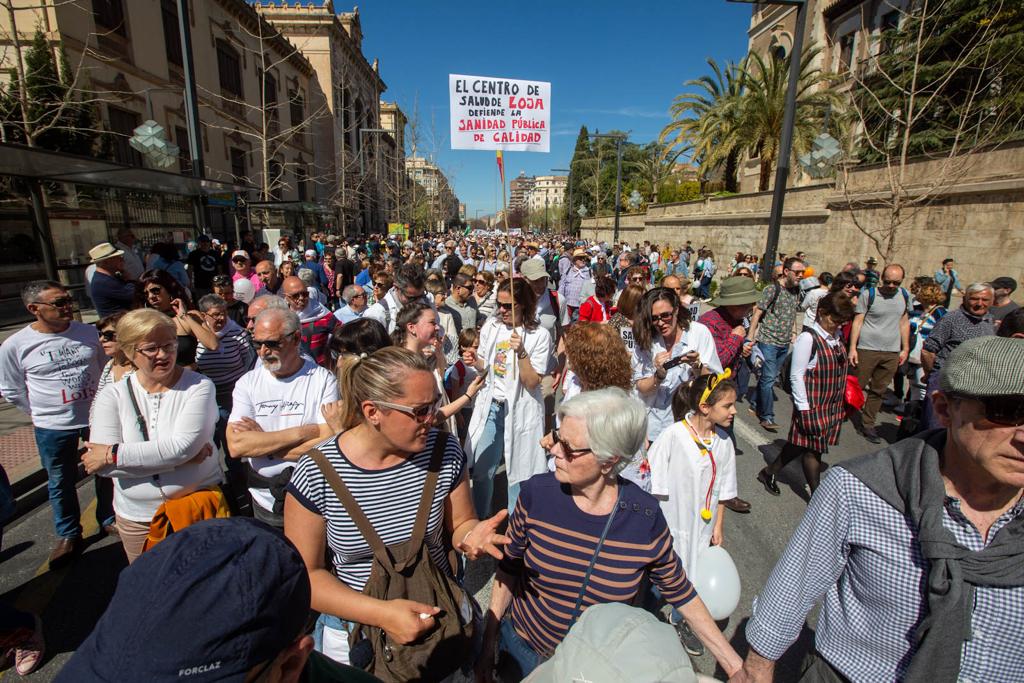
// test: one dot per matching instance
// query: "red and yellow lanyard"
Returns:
(705, 512)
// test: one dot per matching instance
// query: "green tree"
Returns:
(764, 103)
(707, 122)
(40, 105)
(655, 166)
(948, 74)
(580, 155)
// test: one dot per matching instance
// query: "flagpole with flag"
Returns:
(500, 158)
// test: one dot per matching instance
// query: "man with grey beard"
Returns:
(276, 414)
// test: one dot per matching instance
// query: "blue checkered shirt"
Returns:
(863, 557)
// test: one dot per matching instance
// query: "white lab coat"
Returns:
(680, 477)
(524, 415)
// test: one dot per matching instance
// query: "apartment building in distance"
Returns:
(548, 192)
(519, 191)
(442, 204)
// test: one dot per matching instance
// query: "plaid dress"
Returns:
(818, 428)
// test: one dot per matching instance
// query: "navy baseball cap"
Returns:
(210, 603)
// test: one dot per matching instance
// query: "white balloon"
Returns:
(717, 581)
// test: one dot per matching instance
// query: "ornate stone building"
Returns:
(352, 86)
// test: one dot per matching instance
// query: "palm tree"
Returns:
(707, 122)
(764, 102)
(655, 166)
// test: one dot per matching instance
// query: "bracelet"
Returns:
(463, 541)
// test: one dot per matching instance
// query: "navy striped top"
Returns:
(389, 498)
(553, 542)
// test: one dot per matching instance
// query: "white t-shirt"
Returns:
(52, 377)
(681, 477)
(698, 338)
(280, 403)
(809, 305)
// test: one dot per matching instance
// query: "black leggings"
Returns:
(810, 460)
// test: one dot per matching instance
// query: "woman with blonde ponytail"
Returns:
(389, 403)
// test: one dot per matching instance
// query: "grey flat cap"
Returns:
(985, 366)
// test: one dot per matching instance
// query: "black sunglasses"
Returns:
(664, 317)
(108, 335)
(505, 307)
(272, 344)
(61, 302)
(1002, 410)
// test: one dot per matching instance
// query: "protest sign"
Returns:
(499, 113)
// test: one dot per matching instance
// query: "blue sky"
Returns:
(611, 64)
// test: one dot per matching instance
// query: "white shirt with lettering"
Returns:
(52, 376)
(280, 403)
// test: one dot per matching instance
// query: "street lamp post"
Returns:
(619, 139)
(195, 144)
(786, 136)
(568, 181)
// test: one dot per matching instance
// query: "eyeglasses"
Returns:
(664, 317)
(154, 291)
(1007, 411)
(421, 413)
(221, 281)
(108, 335)
(797, 272)
(505, 307)
(377, 284)
(61, 302)
(892, 283)
(272, 344)
(297, 295)
(362, 295)
(569, 454)
(154, 351)
(481, 281)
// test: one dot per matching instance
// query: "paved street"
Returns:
(70, 600)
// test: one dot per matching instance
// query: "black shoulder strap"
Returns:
(593, 560)
(141, 421)
(776, 290)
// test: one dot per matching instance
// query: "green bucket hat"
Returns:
(736, 291)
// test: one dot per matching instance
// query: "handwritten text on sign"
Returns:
(500, 113)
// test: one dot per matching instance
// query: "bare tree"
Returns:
(896, 93)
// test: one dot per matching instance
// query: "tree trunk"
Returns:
(767, 164)
(732, 162)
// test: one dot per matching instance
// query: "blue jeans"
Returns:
(743, 380)
(523, 658)
(704, 289)
(58, 451)
(487, 459)
(774, 357)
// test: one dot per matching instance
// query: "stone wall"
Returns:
(979, 220)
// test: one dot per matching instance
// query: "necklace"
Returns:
(704, 445)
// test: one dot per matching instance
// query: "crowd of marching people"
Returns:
(387, 410)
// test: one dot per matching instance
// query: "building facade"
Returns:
(548, 192)
(849, 33)
(352, 87)
(395, 182)
(432, 195)
(519, 191)
(259, 109)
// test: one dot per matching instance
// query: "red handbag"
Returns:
(853, 395)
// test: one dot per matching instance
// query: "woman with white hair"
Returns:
(583, 535)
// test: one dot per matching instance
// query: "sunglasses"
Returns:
(378, 284)
(421, 413)
(272, 344)
(108, 335)
(239, 260)
(480, 282)
(62, 302)
(221, 281)
(155, 291)
(1001, 410)
(505, 307)
(297, 295)
(664, 317)
(569, 454)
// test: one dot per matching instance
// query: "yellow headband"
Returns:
(716, 380)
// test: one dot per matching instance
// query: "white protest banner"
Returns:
(500, 113)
